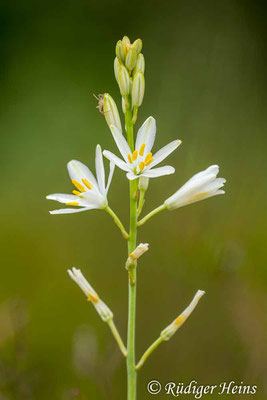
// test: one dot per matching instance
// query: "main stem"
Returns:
(131, 371)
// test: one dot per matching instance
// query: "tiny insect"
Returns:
(100, 99)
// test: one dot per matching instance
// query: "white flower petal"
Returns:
(131, 176)
(71, 210)
(146, 134)
(120, 142)
(100, 171)
(67, 198)
(111, 171)
(155, 172)
(94, 198)
(79, 171)
(111, 157)
(164, 152)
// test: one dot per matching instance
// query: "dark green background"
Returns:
(205, 84)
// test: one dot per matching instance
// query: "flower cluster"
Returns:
(139, 164)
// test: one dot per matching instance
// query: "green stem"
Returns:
(117, 337)
(117, 222)
(131, 371)
(148, 352)
(151, 214)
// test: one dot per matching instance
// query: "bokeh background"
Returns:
(205, 84)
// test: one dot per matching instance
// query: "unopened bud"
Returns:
(126, 40)
(121, 50)
(123, 80)
(143, 183)
(111, 112)
(168, 332)
(117, 65)
(140, 64)
(138, 89)
(137, 45)
(130, 59)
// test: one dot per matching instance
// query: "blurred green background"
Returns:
(205, 84)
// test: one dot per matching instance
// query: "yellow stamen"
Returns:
(72, 203)
(142, 148)
(141, 165)
(135, 154)
(148, 156)
(76, 192)
(78, 185)
(149, 161)
(87, 183)
(130, 159)
(92, 298)
(199, 195)
(179, 320)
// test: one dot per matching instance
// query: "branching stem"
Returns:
(148, 352)
(117, 222)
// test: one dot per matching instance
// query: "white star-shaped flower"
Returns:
(90, 192)
(141, 161)
(201, 186)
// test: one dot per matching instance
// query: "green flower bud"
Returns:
(126, 40)
(140, 64)
(111, 111)
(138, 89)
(130, 59)
(123, 80)
(121, 50)
(117, 65)
(137, 45)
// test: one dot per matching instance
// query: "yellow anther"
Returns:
(78, 185)
(148, 157)
(76, 192)
(93, 298)
(135, 154)
(129, 158)
(72, 203)
(149, 161)
(87, 183)
(179, 320)
(142, 149)
(141, 165)
(199, 195)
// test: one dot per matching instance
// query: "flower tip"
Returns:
(200, 293)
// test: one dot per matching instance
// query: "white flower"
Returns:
(102, 309)
(141, 161)
(201, 186)
(91, 193)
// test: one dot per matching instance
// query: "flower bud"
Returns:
(126, 40)
(168, 332)
(111, 111)
(130, 59)
(143, 183)
(121, 50)
(117, 65)
(137, 45)
(123, 80)
(138, 89)
(140, 64)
